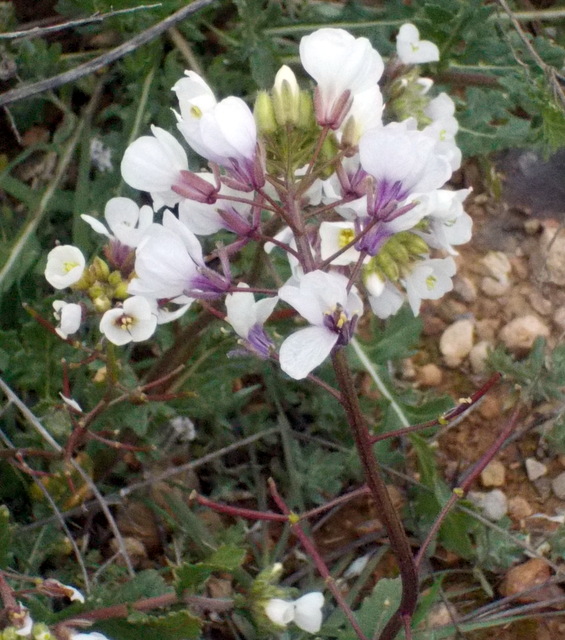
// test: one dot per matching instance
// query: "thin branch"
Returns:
(59, 517)
(107, 58)
(38, 32)
(34, 422)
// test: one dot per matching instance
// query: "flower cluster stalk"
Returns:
(387, 513)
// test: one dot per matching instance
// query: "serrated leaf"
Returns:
(190, 576)
(146, 584)
(227, 558)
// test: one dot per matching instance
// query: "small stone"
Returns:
(540, 304)
(457, 341)
(498, 269)
(519, 334)
(561, 460)
(558, 486)
(430, 375)
(408, 370)
(494, 288)
(465, 288)
(553, 249)
(535, 469)
(559, 318)
(497, 265)
(478, 356)
(493, 504)
(529, 574)
(489, 408)
(519, 508)
(493, 475)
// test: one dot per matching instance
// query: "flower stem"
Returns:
(387, 513)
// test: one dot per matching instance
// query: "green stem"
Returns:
(387, 512)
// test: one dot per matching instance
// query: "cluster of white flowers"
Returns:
(361, 205)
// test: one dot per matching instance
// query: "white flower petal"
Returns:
(308, 612)
(279, 611)
(304, 350)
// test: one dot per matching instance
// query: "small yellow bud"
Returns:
(414, 244)
(100, 270)
(121, 291)
(388, 266)
(102, 303)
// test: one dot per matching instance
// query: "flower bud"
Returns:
(99, 269)
(286, 97)
(115, 278)
(264, 113)
(41, 631)
(121, 291)
(415, 245)
(306, 118)
(388, 266)
(397, 251)
(102, 303)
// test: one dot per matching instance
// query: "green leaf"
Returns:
(146, 584)
(378, 608)
(177, 625)
(228, 557)
(190, 576)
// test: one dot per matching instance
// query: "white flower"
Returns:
(247, 317)
(223, 132)
(65, 265)
(134, 321)
(195, 99)
(154, 164)
(323, 300)
(402, 161)
(385, 299)
(343, 67)
(449, 224)
(22, 620)
(166, 261)
(443, 128)
(429, 280)
(93, 635)
(127, 221)
(306, 612)
(412, 50)
(169, 265)
(69, 316)
(333, 237)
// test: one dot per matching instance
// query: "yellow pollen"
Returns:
(431, 282)
(442, 135)
(345, 237)
(69, 266)
(342, 320)
(125, 322)
(195, 112)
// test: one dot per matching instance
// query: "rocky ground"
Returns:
(509, 290)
